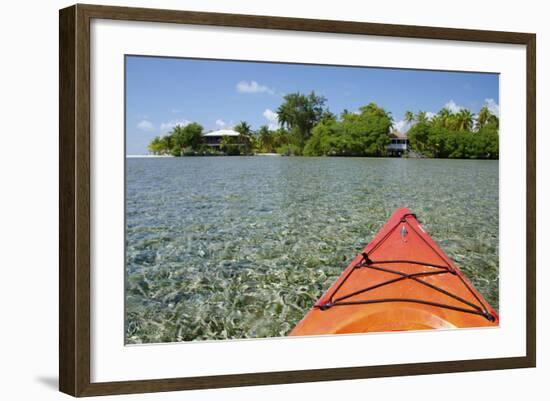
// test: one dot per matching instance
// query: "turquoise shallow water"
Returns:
(241, 247)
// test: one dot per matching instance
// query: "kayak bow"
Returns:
(401, 281)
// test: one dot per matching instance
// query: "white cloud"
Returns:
(253, 87)
(451, 105)
(146, 125)
(493, 106)
(401, 126)
(272, 117)
(430, 115)
(220, 123)
(171, 124)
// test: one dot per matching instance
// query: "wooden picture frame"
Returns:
(74, 199)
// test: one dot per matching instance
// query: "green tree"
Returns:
(243, 128)
(281, 137)
(421, 117)
(363, 134)
(486, 118)
(155, 146)
(418, 138)
(483, 117)
(345, 112)
(245, 139)
(328, 116)
(464, 120)
(451, 135)
(230, 145)
(189, 136)
(167, 143)
(299, 113)
(266, 140)
(409, 117)
(161, 145)
(444, 118)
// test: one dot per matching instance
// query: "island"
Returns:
(308, 128)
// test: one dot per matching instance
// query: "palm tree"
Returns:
(243, 128)
(421, 117)
(444, 116)
(226, 143)
(493, 120)
(374, 110)
(265, 138)
(177, 134)
(166, 143)
(245, 136)
(483, 117)
(464, 120)
(409, 117)
(300, 113)
(155, 146)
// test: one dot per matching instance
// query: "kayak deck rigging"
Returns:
(479, 309)
(339, 301)
(401, 266)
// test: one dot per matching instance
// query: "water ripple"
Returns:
(241, 247)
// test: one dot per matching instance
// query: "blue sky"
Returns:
(163, 92)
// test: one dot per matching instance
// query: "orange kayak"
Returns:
(401, 281)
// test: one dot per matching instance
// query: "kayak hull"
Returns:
(401, 281)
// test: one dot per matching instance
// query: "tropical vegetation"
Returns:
(307, 127)
(365, 133)
(456, 135)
